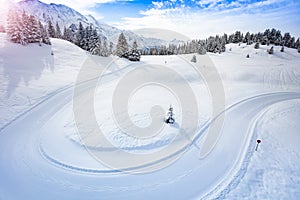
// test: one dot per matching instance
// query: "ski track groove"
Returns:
(218, 192)
(233, 181)
(281, 80)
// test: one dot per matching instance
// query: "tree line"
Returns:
(26, 29)
(216, 44)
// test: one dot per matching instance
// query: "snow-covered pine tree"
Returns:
(194, 59)
(292, 42)
(223, 44)
(34, 33)
(278, 36)
(271, 50)
(299, 49)
(51, 30)
(93, 39)
(58, 31)
(97, 50)
(230, 38)
(282, 49)
(122, 45)
(247, 38)
(297, 43)
(25, 29)
(135, 55)
(87, 44)
(170, 116)
(211, 44)
(80, 35)
(14, 29)
(104, 49)
(201, 47)
(272, 36)
(67, 35)
(266, 37)
(264, 40)
(286, 39)
(111, 47)
(44, 34)
(193, 46)
(237, 37)
(256, 46)
(134, 45)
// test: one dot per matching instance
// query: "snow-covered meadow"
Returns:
(43, 157)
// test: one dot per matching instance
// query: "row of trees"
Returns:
(26, 29)
(217, 43)
(212, 44)
(122, 49)
(268, 37)
(88, 39)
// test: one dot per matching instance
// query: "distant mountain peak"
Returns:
(68, 17)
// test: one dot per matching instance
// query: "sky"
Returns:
(194, 18)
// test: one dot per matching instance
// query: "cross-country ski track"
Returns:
(26, 165)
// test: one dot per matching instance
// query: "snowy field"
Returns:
(42, 156)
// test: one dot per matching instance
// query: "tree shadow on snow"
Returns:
(24, 63)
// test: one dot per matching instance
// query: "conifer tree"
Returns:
(14, 29)
(122, 45)
(51, 30)
(34, 33)
(194, 59)
(58, 31)
(271, 50)
(170, 116)
(44, 34)
(104, 49)
(67, 35)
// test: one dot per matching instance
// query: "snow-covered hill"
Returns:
(30, 73)
(66, 16)
(42, 157)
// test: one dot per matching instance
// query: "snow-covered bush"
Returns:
(256, 46)
(282, 49)
(133, 54)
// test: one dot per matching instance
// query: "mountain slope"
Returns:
(66, 16)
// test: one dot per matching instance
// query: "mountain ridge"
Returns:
(69, 17)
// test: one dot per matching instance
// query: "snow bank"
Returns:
(29, 74)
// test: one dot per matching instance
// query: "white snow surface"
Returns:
(42, 157)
